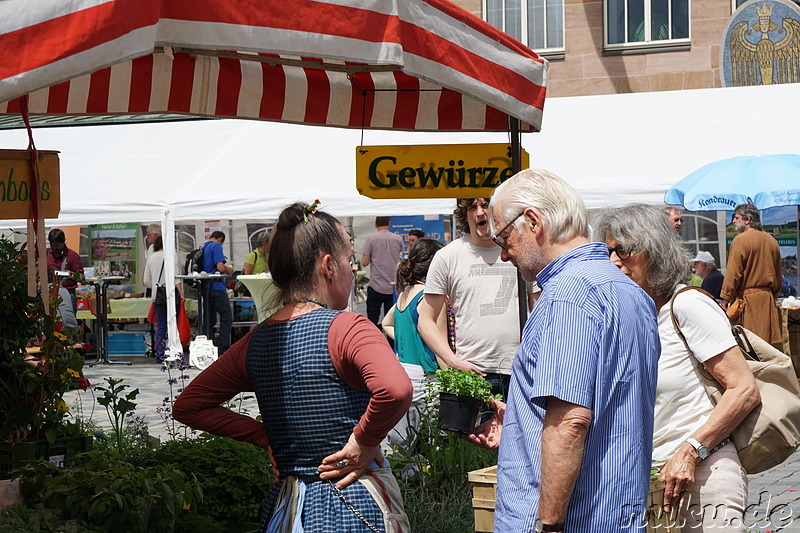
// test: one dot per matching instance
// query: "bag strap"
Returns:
(672, 312)
(158, 283)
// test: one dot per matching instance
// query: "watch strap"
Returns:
(697, 446)
(550, 528)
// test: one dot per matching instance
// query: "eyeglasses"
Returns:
(498, 237)
(623, 252)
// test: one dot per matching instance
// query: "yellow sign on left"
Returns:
(15, 184)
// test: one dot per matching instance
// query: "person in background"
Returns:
(576, 436)
(483, 293)
(675, 218)
(754, 273)
(153, 231)
(413, 236)
(705, 266)
(691, 440)
(154, 277)
(329, 389)
(381, 252)
(401, 324)
(256, 261)
(214, 261)
(61, 258)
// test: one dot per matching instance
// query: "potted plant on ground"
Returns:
(35, 417)
(462, 393)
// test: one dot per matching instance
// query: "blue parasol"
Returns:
(763, 180)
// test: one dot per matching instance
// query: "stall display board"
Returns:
(15, 184)
(113, 251)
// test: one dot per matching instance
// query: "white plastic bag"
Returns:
(202, 352)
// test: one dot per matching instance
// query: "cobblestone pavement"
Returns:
(774, 498)
(774, 495)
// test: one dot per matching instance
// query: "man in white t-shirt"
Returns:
(483, 293)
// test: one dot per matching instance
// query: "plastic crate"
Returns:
(61, 452)
(126, 342)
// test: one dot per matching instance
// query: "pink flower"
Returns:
(83, 384)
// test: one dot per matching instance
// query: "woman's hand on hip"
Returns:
(678, 475)
(349, 462)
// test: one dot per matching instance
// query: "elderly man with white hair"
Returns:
(705, 266)
(576, 436)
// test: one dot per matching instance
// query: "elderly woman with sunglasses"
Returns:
(691, 444)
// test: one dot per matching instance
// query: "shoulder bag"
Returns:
(770, 433)
(735, 309)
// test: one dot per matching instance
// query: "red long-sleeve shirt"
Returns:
(361, 357)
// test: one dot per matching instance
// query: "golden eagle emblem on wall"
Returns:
(759, 58)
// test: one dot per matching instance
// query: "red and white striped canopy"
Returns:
(382, 64)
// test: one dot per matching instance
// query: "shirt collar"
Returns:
(584, 252)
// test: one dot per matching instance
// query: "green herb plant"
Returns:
(464, 383)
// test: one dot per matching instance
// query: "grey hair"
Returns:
(559, 206)
(154, 228)
(645, 229)
(749, 212)
(671, 209)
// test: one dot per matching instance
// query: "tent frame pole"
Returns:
(516, 166)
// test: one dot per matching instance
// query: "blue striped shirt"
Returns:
(591, 340)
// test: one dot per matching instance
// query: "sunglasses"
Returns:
(498, 237)
(621, 251)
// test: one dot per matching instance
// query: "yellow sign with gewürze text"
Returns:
(433, 170)
(15, 184)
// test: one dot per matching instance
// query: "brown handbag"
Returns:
(735, 309)
(770, 433)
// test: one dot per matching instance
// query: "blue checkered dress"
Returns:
(308, 413)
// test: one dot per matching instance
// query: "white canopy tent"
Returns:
(612, 149)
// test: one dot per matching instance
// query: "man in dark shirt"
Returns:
(705, 267)
(61, 258)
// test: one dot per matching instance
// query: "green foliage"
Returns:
(110, 494)
(447, 510)
(117, 406)
(193, 522)
(40, 519)
(433, 475)
(31, 396)
(235, 475)
(465, 383)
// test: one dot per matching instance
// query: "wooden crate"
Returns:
(484, 485)
(657, 520)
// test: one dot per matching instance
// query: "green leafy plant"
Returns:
(235, 475)
(38, 518)
(464, 383)
(433, 475)
(117, 406)
(113, 495)
(31, 393)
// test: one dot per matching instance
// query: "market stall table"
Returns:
(101, 291)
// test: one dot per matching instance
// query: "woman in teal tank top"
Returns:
(400, 323)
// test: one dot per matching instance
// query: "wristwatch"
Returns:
(541, 527)
(702, 451)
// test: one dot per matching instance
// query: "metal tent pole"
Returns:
(516, 166)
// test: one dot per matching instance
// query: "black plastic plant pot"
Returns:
(458, 413)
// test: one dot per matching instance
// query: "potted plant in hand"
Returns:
(462, 393)
(35, 418)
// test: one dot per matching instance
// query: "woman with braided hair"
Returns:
(326, 384)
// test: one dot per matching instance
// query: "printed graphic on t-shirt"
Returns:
(505, 291)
